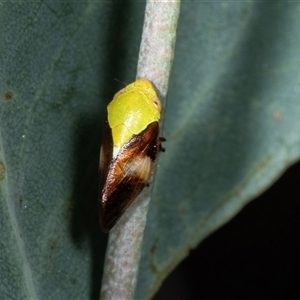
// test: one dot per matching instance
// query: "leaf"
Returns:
(231, 126)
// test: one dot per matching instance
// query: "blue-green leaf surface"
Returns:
(231, 123)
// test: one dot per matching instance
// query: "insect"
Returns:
(129, 149)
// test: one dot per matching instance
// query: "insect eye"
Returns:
(157, 103)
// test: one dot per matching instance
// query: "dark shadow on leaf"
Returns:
(84, 202)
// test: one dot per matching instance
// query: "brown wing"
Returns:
(128, 174)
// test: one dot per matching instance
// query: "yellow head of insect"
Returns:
(132, 110)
